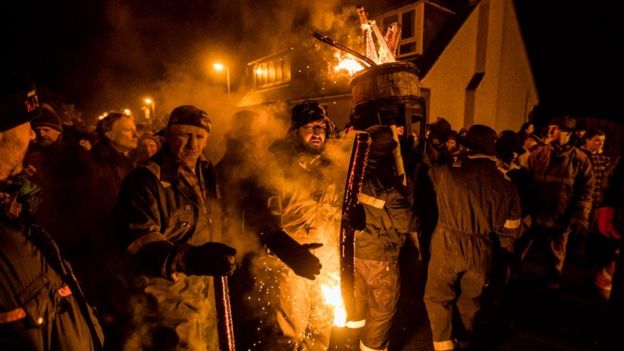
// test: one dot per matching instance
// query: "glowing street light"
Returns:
(149, 106)
(219, 67)
(127, 112)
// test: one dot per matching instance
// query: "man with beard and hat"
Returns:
(563, 184)
(477, 208)
(301, 229)
(41, 304)
(388, 217)
(168, 220)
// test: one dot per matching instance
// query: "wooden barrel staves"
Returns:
(388, 80)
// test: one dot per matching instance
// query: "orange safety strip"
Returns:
(64, 291)
(443, 345)
(12, 316)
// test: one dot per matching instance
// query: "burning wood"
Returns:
(393, 44)
(387, 45)
(371, 52)
(385, 55)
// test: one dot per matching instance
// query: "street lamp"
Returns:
(220, 67)
(149, 106)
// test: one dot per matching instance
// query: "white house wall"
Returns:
(506, 93)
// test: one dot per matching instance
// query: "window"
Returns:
(406, 18)
(272, 72)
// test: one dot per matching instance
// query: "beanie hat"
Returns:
(190, 115)
(306, 112)
(48, 118)
(481, 139)
(18, 100)
(507, 143)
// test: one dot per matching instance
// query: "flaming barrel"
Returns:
(387, 94)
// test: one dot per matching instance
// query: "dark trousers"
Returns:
(454, 284)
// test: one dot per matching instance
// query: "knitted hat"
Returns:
(48, 118)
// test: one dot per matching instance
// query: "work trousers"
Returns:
(457, 273)
(377, 289)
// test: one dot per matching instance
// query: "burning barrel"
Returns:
(387, 94)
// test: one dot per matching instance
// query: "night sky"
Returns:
(87, 50)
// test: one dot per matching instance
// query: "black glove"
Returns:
(209, 259)
(357, 217)
(295, 255)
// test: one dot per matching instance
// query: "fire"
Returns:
(333, 297)
(348, 64)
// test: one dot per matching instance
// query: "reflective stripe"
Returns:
(19, 313)
(512, 224)
(366, 348)
(64, 291)
(136, 245)
(443, 345)
(371, 201)
(356, 324)
(553, 179)
(12, 316)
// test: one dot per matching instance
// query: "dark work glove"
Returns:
(357, 217)
(209, 259)
(295, 255)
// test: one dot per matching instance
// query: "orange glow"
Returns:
(218, 67)
(347, 64)
(333, 297)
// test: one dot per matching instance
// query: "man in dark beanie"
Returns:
(388, 218)
(478, 208)
(301, 230)
(563, 183)
(41, 304)
(168, 220)
(47, 126)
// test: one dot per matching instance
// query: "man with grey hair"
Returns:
(169, 223)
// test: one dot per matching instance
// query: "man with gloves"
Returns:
(168, 219)
(301, 229)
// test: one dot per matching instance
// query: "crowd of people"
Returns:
(144, 219)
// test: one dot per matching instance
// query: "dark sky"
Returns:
(88, 49)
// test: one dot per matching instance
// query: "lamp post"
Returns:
(221, 67)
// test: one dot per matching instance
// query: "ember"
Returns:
(333, 297)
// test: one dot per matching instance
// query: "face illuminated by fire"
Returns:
(187, 142)
(312, 135)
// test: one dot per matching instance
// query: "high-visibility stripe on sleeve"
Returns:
(443, 345)
(356, 324)
(512, 223)
(371, 201)
(143, 240)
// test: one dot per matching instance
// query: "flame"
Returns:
(333, 297)
(347, 64)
